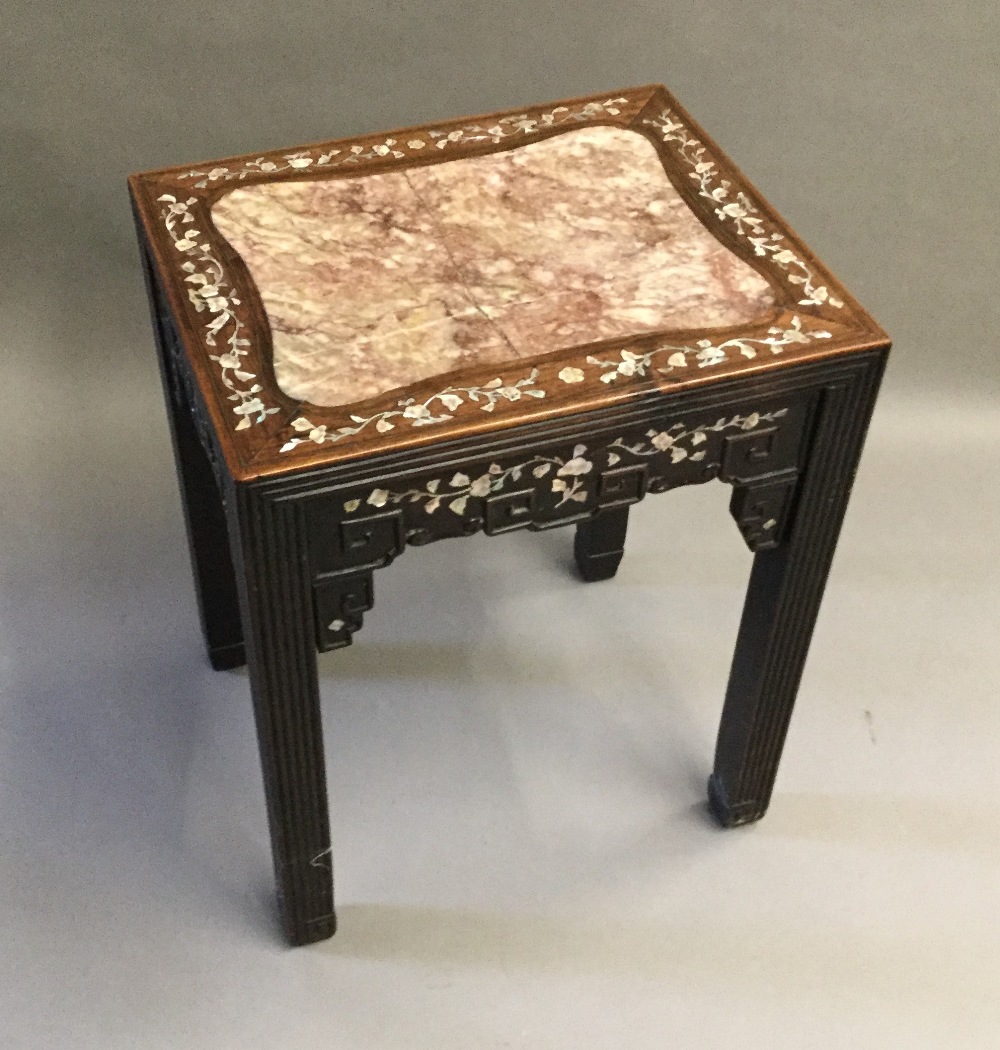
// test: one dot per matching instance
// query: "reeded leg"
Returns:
(600, 543)
(783, 599)
(281, 654)
(204, 518)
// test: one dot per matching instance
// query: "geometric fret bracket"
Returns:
(621, 486)
(762, 509)
(773, 448)
(368, 541)
(340, 602)
(509, 511)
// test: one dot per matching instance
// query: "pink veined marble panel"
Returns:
(379, 281)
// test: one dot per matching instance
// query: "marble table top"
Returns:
(364, 296)
(374, 282)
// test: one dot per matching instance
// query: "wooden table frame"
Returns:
(284, 551)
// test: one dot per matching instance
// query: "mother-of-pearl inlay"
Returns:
(376, 282)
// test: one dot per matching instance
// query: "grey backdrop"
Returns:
(517, 762)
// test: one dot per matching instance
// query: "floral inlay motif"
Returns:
(419, 414)
(706, 352)
(213, 295)
(568, 476)
(504, 128)
(740, 210)
(210, 293)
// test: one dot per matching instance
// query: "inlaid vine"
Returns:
(571, 479)
(508, 127)
(737, 208)
(211, 294)
(705, 353)
(420, 413)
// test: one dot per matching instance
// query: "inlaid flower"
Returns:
(230, 359)
(511, 393)
(318, 434)
(571, 375)
(661, 441)
(378, 497)
(248, 408)
(416, 144)
(416, 412)
(796, 335)
(708, 354)
(299, 162)
(481, 486)
(450, 401)
(575, 466)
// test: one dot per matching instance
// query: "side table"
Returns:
(523, 320)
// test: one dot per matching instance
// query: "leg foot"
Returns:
(725, 813)
(228, 657)
(599, 544)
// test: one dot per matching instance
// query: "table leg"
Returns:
(204, 515)
(276, 599)
(208, 540)
(600, 543)
(783, 599)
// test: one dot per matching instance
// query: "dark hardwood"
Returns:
(201, 500)
(285, 546)
(281, 654)
(599, 544)
(783, 599)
